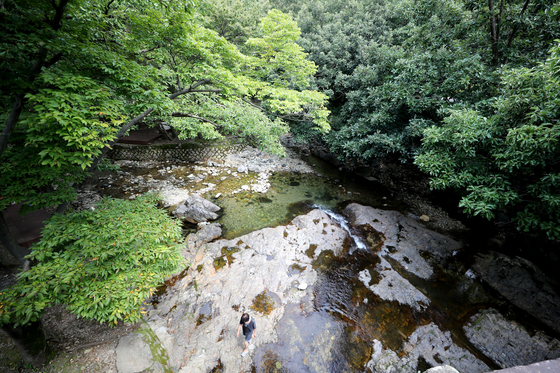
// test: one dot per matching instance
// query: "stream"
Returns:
(334, 329)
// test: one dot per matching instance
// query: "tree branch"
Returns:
(108, 7)
(205, 90)
(11, 122)
(183, 115)
(190, 89)
(56, 22)
(513, 31)
(53, 60)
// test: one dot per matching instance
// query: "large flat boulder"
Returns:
(432, 345)
(261, 273)
(522, 283)
(402, 239)
(506, 342)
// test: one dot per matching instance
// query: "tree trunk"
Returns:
(31, 342)
(10, 244)
(493, 33)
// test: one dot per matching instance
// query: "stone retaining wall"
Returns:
(188, 152)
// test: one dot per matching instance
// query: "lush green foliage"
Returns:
(86, 71)
(234, 20)
(100, 263)
(70, 120)
(458, 85)
(509, 157)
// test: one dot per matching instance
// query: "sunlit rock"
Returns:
(197, 209)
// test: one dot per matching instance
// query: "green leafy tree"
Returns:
(459, 86)
(76, 75)
(507, 159)
(100, 263)
(234, 20)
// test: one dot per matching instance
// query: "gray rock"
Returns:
(206, 233)
(133, 354)
(242, 168)
(394, 287)
(402, 238)
(442, 369)
(549, 366)
(258, 263)
(430, 343)
(197, 209)
(508, 343)
(522, 283)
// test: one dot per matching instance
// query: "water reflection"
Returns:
(289, 196)
(306, 343)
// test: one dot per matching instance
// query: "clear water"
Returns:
(333, 330)
(291, 195)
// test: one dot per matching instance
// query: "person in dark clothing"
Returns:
(249, 330)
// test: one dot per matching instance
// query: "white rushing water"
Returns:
(341, 221)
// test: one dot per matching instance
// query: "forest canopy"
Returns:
(467, 90)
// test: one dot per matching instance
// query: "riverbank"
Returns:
(193, 323)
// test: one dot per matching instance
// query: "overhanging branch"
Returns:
(186, 115)
(287, 117)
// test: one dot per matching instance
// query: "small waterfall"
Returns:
(341, 221)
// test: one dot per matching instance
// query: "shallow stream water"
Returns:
(333, 330)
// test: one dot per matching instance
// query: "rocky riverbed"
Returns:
(321, 302)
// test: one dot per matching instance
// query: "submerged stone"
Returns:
(265, 302)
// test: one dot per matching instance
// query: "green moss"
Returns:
(227, 257)
(159, 354)
(219, 263)
(311, 251)
(263, 303)
(228, 253)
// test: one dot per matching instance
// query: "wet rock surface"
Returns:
(403, 240)
(522, 283)
(507, 343)
(274, 274)
(202, 334)
(430, 344)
